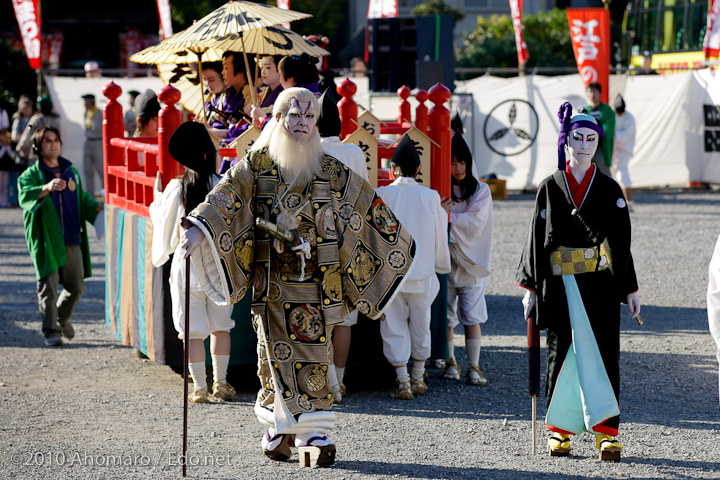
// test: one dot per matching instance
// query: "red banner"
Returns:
(52, 48)
(516, 13)
(165, 18)
(27, 13)
(590, 32)
(711, 42)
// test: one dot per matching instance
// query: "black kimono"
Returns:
(605, 214)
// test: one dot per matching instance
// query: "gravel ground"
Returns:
(93, 410)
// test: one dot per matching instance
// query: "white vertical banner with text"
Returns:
(382, 9)
(165, 18)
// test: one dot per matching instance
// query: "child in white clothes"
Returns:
(191, 145)
(470, 250)
(406, 329)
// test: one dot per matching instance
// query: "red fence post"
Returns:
(421, 118)
(405, 111)
(113, 127)
(169, 120)
(347, 107)
(439, 131)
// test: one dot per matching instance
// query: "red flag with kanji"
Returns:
(27, 13)
(516, 13)
(711, 42)
(590, 33)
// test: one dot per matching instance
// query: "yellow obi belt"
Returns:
(571, 261)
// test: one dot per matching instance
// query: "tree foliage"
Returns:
(492, 43)
(326, 20)
(438, 7)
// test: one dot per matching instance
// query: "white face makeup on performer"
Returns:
(582, 145)
(269, 72)
(301, 119)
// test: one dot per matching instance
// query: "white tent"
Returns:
(516, 125)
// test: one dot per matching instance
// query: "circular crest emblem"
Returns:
(511, 127)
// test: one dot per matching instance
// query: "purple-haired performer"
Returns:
(578, 269)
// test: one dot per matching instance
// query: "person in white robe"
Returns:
(406, 329)
(471, 219)
(191, 145)
(624, 146)
(713, 299)
(350, 155)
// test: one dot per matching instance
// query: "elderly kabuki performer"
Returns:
(578, 268)
(342, 249)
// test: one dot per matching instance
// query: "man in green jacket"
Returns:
(55, 210)
(604, 114)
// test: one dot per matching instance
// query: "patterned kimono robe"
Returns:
(360, 256)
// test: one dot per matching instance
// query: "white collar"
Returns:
(404, 181)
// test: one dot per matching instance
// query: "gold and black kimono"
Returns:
(359, 257)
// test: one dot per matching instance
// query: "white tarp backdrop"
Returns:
(66, 93)
(516, 125)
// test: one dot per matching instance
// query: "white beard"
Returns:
(298, 160)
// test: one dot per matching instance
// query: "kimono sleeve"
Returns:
(165, 214)
(226, 218)
(529, 272)
(442, 253)
(30, 186)
(375, 251)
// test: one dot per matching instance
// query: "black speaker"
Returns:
(398, 46)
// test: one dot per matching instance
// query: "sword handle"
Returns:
(592, 235)
(291, 237)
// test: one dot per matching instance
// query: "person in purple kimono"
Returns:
(292, 71)
(237, 94)
(300, 71)
(214, 94)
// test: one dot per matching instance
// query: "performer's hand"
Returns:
(528, 302)
(190, 240)
(99, 207)
(447, 205)
(633, 301)
(258, 115)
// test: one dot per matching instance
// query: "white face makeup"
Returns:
(582, 144)
(301, 119)
(269, 72)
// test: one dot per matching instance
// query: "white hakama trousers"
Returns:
(406, 329)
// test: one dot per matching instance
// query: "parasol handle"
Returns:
(253, 93)
(202, 88)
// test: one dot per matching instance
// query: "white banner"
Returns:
(677, 123)
(382, 9)
(65, 93)
(165, 18)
